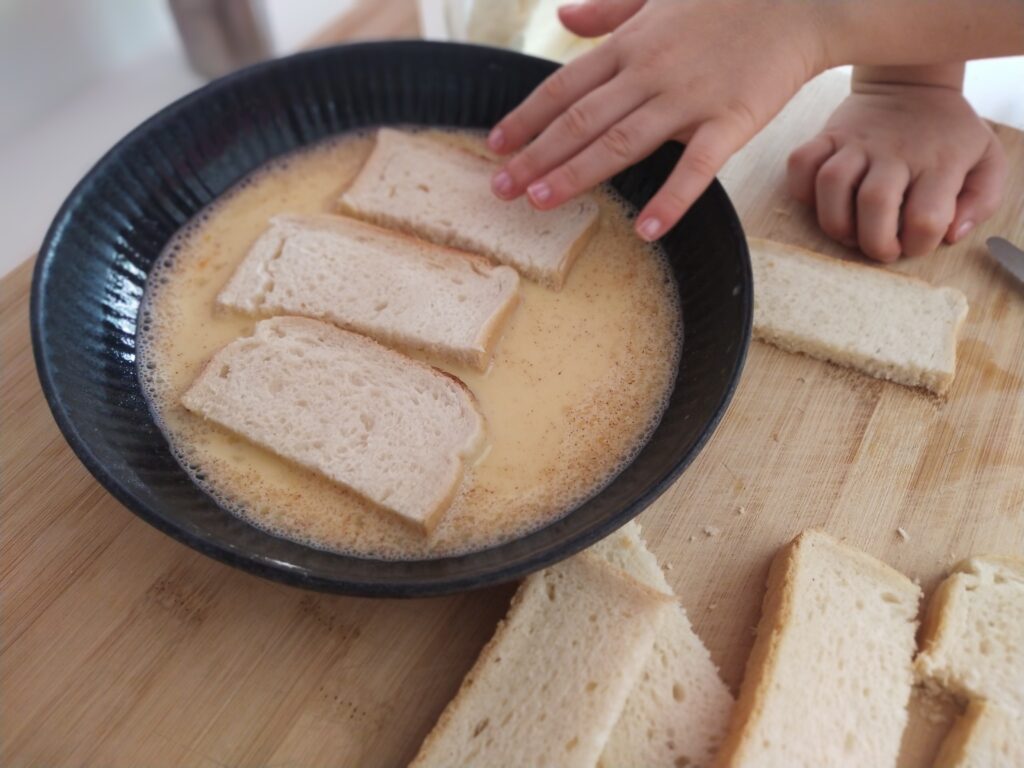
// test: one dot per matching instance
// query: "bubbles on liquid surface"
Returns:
(603, 423)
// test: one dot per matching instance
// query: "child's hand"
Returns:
(709, 73)
(899, 167)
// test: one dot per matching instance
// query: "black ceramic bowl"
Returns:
(92, 270)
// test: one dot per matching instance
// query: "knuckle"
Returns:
(874, 196)
(869, 248)
(556, 86)
(913, 247)
(925, 222)
(946, 158)
(522, 166)
(836, 139)
(700, 162)
(884, 253)
(835, 232)
(834, 227)
(877, 246)
(833, 173)
(651, 61)
(618, 142)
(798, 159)
(577, 122)
(671, 201)
(571, 175)
(743, 114)
(800, 193)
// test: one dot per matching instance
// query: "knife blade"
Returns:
(1008, 255)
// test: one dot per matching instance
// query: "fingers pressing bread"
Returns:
(550, 99)
(652, 81)
(572, 131)
(611, 152)
(705, 154)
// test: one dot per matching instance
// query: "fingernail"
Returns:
(496, 139)
(570, 6)
(963, 230)
(502, 184)
(539, 191)
(650, 229)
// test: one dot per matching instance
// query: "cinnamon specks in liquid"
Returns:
(579, 379)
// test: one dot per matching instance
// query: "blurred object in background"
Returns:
(530, 26)
(545, 36)
(77, 75)
(221, 36)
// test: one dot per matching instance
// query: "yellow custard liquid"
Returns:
(579, 378)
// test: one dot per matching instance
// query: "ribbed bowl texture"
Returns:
(92, 269)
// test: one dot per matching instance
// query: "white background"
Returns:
(76, 75)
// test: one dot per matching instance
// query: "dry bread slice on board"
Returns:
(871, 319)
(399, 290)
(973, 646)
(678, 712)
(550, 685)
(829, 676)
(973, 636)
(443, 193)
(986, 736)
(394, 430)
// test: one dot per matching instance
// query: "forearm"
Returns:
(918, 32)
(939, 75)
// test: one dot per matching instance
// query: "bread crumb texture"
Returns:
(830, 674)
(871, 319)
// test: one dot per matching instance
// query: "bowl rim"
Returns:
(279, 571)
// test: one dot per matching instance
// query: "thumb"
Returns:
(594, 18)
(981, 193)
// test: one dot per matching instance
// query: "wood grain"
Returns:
(121, 647)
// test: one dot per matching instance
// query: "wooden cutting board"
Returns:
(121, 647)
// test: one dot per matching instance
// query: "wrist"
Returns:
(949, 76)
